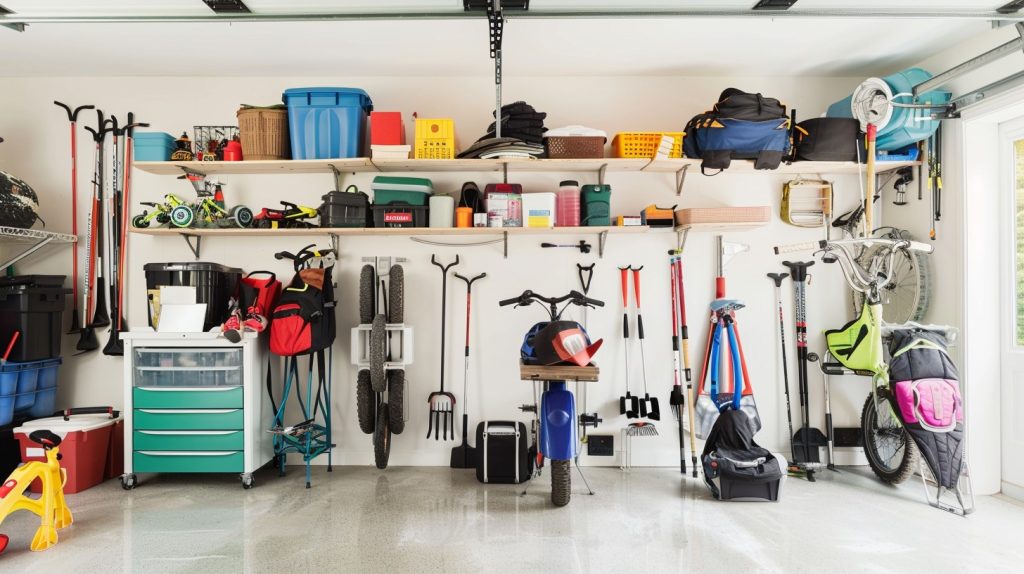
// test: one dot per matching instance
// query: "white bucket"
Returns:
(442, 211)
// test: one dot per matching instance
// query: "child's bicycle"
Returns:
(160, 212)
(558, 433)
(50, 506)
(858, 347)
(209, 210)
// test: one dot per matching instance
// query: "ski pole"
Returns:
(676, 398)
(778, 278)
(687, 371)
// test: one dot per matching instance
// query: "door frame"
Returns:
(1010, 131)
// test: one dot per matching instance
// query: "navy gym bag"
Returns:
(741, 126)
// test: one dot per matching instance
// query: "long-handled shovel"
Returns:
(628, 404)
(76, 323)
(87, 341)
(464, 456)
(442, 404)
(807, 439)
(114, 347)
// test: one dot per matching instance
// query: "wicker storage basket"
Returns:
(723, 215)
(264, 133)
(575, 147)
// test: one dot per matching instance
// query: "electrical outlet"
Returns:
(600, 445)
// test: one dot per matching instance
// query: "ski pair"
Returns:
(681, 345)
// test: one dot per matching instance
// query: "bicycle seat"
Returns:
(45, 438)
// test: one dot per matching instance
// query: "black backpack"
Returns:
(740, 126)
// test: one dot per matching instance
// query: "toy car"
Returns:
(291, 217)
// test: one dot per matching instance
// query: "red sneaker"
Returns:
(255, 321)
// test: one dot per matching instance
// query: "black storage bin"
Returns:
(10, 450)
(830, 139)
(215, 284)
(504, 453)
(37, 313)
(345, 209)
(34, 280)
(400, 215)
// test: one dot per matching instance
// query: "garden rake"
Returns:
(629, 405)
(649, 407)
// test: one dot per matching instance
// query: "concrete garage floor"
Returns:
(421, 520)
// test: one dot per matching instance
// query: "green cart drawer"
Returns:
(194, 398)
(187, 461)
(188, 419)
(188, 440)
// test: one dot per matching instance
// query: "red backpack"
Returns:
(303, 320)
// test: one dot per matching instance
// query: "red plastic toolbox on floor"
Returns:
(386, 128)
(85, 447)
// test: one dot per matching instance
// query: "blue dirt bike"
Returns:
(553, 353)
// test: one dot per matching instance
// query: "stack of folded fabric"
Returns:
(522, 134)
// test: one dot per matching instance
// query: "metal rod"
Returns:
(36, 247)
(976, 96)
(1011, 47)
(16, 20)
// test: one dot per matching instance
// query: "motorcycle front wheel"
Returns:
(561, 482)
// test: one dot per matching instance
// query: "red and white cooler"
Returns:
(91, 447)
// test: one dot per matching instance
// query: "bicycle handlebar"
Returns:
(574, 296)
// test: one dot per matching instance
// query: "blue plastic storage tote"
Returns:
(327, 123)
(22, 384)
(153, 146)
(906, 126)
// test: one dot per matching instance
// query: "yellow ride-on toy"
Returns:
(50, 506)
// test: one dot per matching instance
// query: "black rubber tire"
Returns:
(382, 439)
(366, 294)
(378, 354)
(366, 402)
(396, 294)
(140, 221)
(561, 482)
(242, 216)
(396, 401)
(905, 469)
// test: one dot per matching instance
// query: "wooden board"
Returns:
(388, 231)
(356, 165)
(559, 373)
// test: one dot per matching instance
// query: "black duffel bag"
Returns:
(829, 139)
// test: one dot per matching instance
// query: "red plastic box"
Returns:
(85, 447)
(386, 128)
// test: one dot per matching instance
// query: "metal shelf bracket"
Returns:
(600, 173)
(681, 179)
(681, 235)
(601, 239)
(194, 247)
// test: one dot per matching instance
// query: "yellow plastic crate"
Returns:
(643, 145)
(435, 138)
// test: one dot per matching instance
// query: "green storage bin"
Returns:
(188, 461)
(411, 190)
(595, 205)
(188, 419)
(170, 398)
(188, 440)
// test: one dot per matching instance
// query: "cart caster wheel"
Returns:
(308, 485)
(128, 481)
(248, 481)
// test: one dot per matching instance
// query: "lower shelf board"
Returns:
(392, 231)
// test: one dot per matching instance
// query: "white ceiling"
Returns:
(458, 47)
(196, 7)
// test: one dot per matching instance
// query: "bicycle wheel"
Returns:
(907, 296)
(396, 294)
(366, 286)
(366, 402)
(396, 401)
(891, 452)
(561, 482)
(378, 354)
(382, 438)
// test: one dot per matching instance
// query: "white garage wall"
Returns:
(36, 134)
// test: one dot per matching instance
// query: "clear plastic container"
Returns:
(567, 204)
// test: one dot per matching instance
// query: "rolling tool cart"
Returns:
(194, 403)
